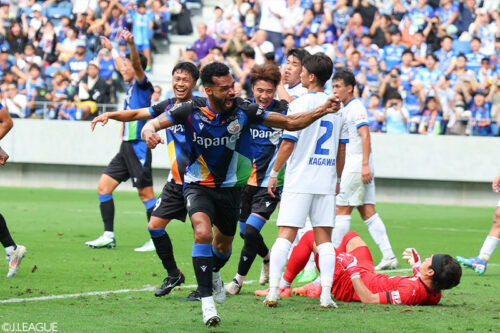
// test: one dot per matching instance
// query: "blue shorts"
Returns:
(142, 47)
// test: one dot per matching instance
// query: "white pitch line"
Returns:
(92, 293)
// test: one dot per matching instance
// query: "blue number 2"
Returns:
(329, 131)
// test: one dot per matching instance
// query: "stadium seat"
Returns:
(461, 47)
(58, 12)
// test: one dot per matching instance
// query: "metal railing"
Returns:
(47, 110)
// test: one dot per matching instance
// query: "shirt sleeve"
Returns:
(360, 117)
(144, 84)
(405, 293)
(344, 131)
(255, 113)
(159, 108)
(179, 113)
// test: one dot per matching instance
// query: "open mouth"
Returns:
(228, 103)
(180, 91)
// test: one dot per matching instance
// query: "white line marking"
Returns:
(439, 229)
(92, 293)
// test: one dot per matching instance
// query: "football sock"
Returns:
(5, 237)
(279, 254)
(300, 256)
(489, 246)
(203, 266)
(220, 259)
(239, 278)
(253, 239)
(326, 260)
(377, 230)
(342, 226)
(284, 283)
(10, 249)
(109, 234)
(107, 207)
(150, 205)
(164, 249)
(242, 228)
(311, 265)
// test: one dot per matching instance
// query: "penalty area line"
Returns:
(92, 293)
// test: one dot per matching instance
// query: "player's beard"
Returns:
(223, 103)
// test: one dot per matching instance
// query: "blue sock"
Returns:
(202, 250)
(242, 228)
(105, 197)
(150, 203)
(256, 221)
(157, 233)
(220, 259)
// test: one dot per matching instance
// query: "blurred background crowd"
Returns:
(423, 66)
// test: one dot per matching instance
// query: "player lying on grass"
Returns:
(15, 253)
(478, 264)
(170, 204)
(355, 278)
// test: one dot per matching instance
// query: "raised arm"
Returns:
(149, 130)
(123, 116)
(301, 120)
(134, 55)
(106, 43)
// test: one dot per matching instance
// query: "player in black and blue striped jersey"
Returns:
(134, 158)
(257, 204)
(220, 159)
(170, 204)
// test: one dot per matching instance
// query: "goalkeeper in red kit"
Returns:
(355, 278)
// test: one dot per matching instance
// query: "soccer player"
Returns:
(256, 203)
(355, 278)
(357, 187)
(170, 205)
(317, 154)
(479, 263)
(15, 252)
(291, 87)
(134, 158)
(218, 141)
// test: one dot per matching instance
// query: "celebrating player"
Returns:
(357, 187)
(134, 158)
(479, 263)
(15, 252)
(256, 204)
(218, 141)
(316, 154)
(170, 205)
(355, 278)
(290, 86)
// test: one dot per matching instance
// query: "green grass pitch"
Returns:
(54, 224)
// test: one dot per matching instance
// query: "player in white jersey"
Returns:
(479, 263)
(315, 156)
(291, 87)
(357, 188)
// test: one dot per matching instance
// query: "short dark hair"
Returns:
(217, 48)
(289, 35)
(433, 56)
(211, 70)
(450, 275)
(298, 53)
(320, 65)
(269, 56)
(447, 37)
(395, 95)
(345, 76)
(462, 55)
(267, 72)
(188, 67)
(35, 66)
(142, 59)
(248, 52)
(476, 38)
(407, 51)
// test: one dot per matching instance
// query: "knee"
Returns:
(157, 224)
(496, 219)
(146, 193)
(203, 234)
(251, 234)
(222, 247)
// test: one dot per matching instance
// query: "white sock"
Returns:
(284, 283)
(267, 257)
(326, 261)
(342, 227)
(109, 234)
(489, 246)
(279, 253)
(239, 278)
(317, 281)
(10, 249)
(207, 301)
(376, 228)
(311, 264)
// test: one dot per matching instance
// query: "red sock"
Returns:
(300, 255)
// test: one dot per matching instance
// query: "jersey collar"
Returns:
(294, 85)
(352, 99)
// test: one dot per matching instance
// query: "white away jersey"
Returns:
(312, 166)
(296, 91)
(356, 116)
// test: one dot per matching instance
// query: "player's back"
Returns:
(312, 166)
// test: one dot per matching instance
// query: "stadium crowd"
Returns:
(423, 66)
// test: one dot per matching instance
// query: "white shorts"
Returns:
(295, 207)
(353, 192)
(498, 204)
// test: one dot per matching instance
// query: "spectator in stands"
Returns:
(242, 73)
(495, 109)
(413, 100)
(189, 55)
(219, 28)
(312, 44)
(431, 122)
(68, 110)
(288, 44)
(156, 97)
(235, 44)
(5, 63)
(142, 28)
(448, 14)
(445, 55)
(271, 12)
(291, 16)
(480, 118)
(429, 75)
(466, 10)
(366, 10)
(395, 115)
(261, 46)
(4, 18)
(36, 21)
(355, 29)
(367, 50)
(67, 48)
(60, 85)
(116, 16)
(485, 31)
(106, 64)
(76, 66)
(375, 114)
(14, 101)
(341, 15)
(475, 56)
(419, 16)
(62, 28)
(419, 48)
(29, 58)
(485, 76)
(408, 71)
(47, 42)
(391, 56)
(92, 90)
(390, 85)
(205, 43)
(17, 39)
(30, 84)
(380, 30)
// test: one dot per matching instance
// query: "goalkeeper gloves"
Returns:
(412, 257)
(349, 264)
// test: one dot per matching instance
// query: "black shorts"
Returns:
(256, 200)
(126, 165)
(222, 205)
(170, 205)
